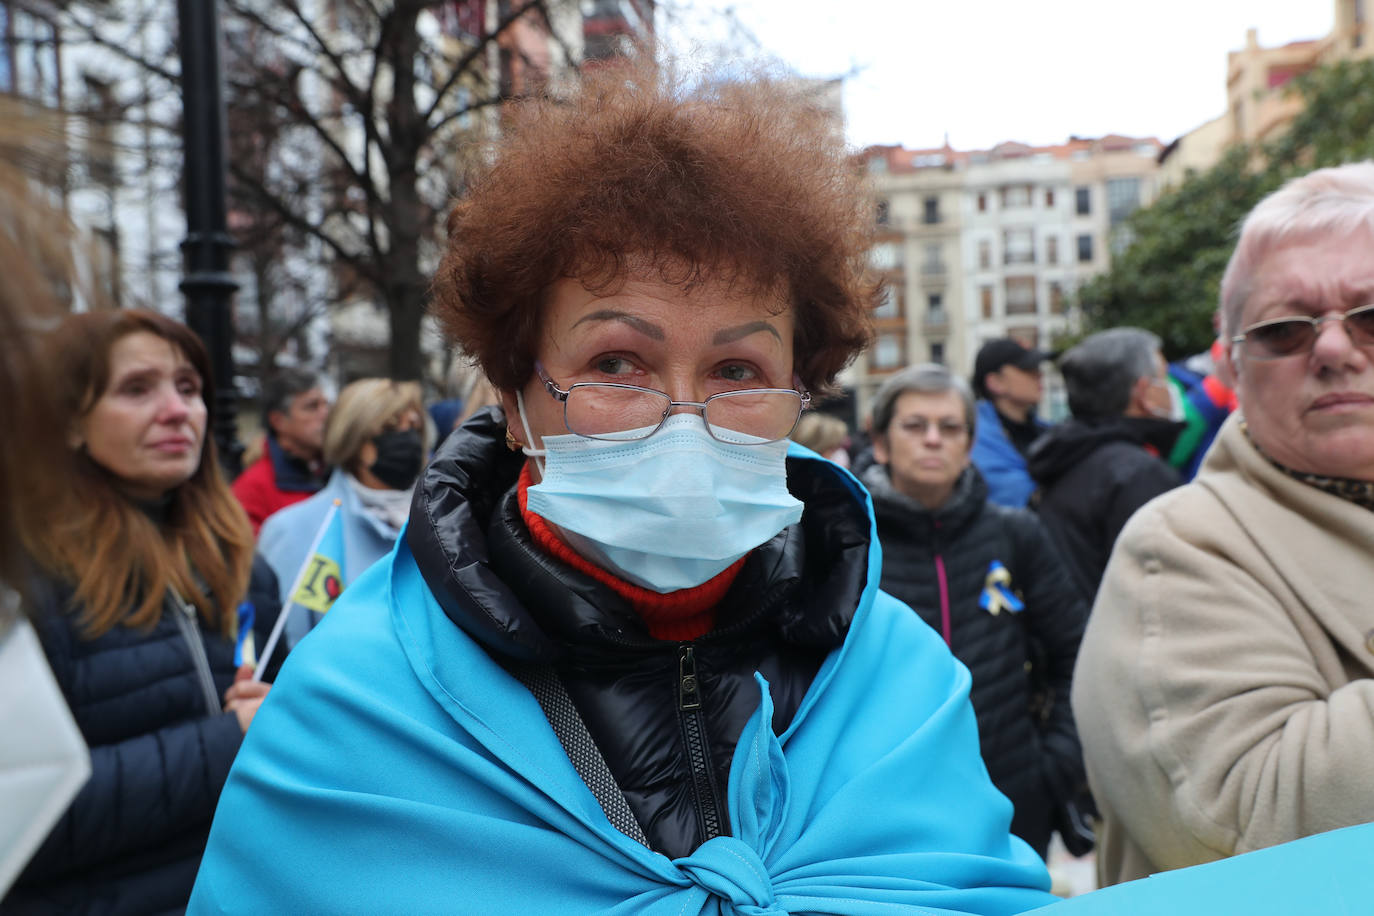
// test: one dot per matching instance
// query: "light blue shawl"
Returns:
(396, 768)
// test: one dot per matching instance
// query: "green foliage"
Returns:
(1168, 279)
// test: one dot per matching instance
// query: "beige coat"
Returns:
(1223, 691)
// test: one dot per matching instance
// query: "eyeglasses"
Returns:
(605, 410)
(947, 429)
(1297, 335)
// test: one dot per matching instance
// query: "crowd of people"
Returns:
(638, 628)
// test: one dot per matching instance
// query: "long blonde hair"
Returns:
(120, 561)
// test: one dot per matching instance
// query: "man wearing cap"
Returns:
(1006, 378)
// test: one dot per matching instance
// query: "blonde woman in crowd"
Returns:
(825, 435)
(376, 441)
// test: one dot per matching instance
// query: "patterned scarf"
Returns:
(1359, 492)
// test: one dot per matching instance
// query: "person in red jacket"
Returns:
(291, 467)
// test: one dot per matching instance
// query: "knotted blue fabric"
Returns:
(397, 768)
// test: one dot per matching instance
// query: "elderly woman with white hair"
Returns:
(1226, 680)
(375, 439)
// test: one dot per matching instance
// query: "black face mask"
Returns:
(400, 454)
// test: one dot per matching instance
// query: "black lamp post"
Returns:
(208, 285)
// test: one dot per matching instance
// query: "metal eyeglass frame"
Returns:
(1316, 324)
(561, 395)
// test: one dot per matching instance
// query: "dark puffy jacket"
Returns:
(160, 751)
(1092, 476)
(790, 606)
(938, 563)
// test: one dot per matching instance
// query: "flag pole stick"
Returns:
(275, 635)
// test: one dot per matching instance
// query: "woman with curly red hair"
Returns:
(630, 654)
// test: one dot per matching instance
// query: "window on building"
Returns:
(887, 351)
(1018, 246)
(984, 254)
(881, 215)
(982, 202)
(937, 352)
(1016, 196)
(103, 259)
(102, 113)
(1121, 238)
(1085, 248)
(1052, 249)
(1083, 201)
(1123, 197)
(1020, 295)
(1056, 297)
(1026, 337)
(1049, 198)
(931, 212)
(935, 308)
(985, 297)
(885, 256)
(890, 304)
(934, 262)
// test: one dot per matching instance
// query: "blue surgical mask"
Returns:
(666, 512)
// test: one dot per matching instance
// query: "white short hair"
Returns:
(1336, 200)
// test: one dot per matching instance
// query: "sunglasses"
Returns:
(1280, 337)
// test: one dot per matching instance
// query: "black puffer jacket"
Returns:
(941, 559)
(1092, 475)
(669, 749)
(160, 751)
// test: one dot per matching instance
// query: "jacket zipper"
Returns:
(943, 580)
(186, 622)
(694, 741)
(944, 598)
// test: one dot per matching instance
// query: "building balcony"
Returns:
(935, 325)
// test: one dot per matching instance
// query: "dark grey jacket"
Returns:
(1092, 475)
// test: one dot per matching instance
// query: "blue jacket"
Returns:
(398, 767)
(1002, 466)
(288, 534)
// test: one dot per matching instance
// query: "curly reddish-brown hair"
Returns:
(742, 182)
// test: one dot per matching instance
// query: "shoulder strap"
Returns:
(543, 682)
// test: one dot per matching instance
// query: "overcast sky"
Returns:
(1029, 70)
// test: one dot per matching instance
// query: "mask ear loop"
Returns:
(536, 453)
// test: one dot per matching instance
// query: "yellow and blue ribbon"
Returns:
(997, 592)
(243, 646)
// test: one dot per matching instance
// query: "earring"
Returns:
(511, 444)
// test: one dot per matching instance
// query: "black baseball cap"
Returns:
(1005, 351)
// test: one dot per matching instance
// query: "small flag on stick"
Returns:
(318, 582)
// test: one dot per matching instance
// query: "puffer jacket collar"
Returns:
(475, 554)
(912, 521)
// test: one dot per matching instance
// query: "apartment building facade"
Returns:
(1259, 106)
(990, 243)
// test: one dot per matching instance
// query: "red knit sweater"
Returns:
(678, 616)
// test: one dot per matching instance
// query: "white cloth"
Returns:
(390, 507)
(43, 760)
